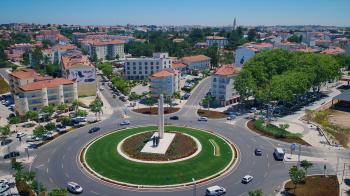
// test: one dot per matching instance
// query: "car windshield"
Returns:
(77, 187)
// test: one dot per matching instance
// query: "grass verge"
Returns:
(314, 186)
(217, 148)
(4, 87)
(154, 110)
(212, 114)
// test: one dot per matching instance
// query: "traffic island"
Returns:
(314, 186)
(212, 114)
(154, 110)
(102, 159)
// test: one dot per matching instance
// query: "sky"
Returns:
(177, 12)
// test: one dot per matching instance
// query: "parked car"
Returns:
(20, 135)
(5, 142)
(58, 120)
(49, 132)
(60, 127)
(12, 154)
(143, 92)
(101, 88)
(89, 80)
(182, 78)
(258, 152)
(215, 190)
(174, 118)
(71, 124)
(28, 125)
(74, 187)
(4, 181)
(246, 179)
(118, 93)
(12, 115)
(252, 110)
(231, 117)
(81, 119)
(124, 99)
(121, 97)
(32, 139)
(72, 115)
(126, 122)
(103, 83)
(203, 119)
(4, 194)
(4, 187)
(95, 129)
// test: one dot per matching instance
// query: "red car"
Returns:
(1, 98)
(58, 120)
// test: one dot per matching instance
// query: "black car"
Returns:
(124, 99)
(71, 124)
(258, 152)
(12, 154)
(89, 80)
(174, 118)
(12, 115)
(61, 126)
(75, 121)
(95, 129)
(4, 142)
(121, 97)
(118, 93)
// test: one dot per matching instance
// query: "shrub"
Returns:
(274, 130)
(320, 115)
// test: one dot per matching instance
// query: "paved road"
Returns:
(4, 73)
(60, 166)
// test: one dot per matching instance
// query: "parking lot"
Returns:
(5, 111)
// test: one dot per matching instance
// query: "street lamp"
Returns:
(342, 179)
(194, 187)
(37, 178)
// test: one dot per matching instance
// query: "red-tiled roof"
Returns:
(25, 74)
(175, 65)
(165, 72)
(226, 70)
(45, 84)
(196, 58)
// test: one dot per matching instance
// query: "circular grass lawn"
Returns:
(102, 156)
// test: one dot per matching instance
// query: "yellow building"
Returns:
(20, 78)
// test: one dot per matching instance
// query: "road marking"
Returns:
(62, 165)
(243, 133)
(67, 175)
(267, 155)
(74, 136)
(265, 174)
(63, 156)
(218, 125)
(249, 172)
(47, 170)
(240, 139)
(257, 184)
(248, 146)
(54, 151)
(86, 135)
(68, 148)
(48, 160)
(95, 192)
(261, 147)
(50, 180)
(238, 182)
(63, 142)
(253, 139)
(268, 164)
(253, 162)
(242, 193)
(77, 141)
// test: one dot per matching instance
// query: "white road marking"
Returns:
(67, 175)
(62, 165)
(48, 160)
(94, 192)
(47, 170)
(54, 151)
(63, 156)
(253, 162)
(248, 146)
(261, 147)
(267, 155)
(63, 142)
(243, 133)
(50, 180)
(249, 172)
(242, 193)
(253, 139)
(240, 139)
(257, 184)
(86, 135)
(238, 182)
(265, 174)
(77, 141)
(68, 148)
(74, 136)
(268, 164)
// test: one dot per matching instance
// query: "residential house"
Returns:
(164, 81)
(180, 67)
(323, 43)
(199, 62)
(285, 45)
(104, 47)
(310, 41)
(200, 45)
(249, 50)
(333, 51)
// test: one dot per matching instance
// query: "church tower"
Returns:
(234, 24)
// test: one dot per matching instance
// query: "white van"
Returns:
(20, 135)
(32, 139)
(74, 187)
(215, 190)
(81, 119)
(279, 153)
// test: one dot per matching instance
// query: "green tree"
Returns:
(17, 166)
(82, 113)
(34, 186)
(49, 109)
(95, 58)
(83, 51)
(177, 95)
(108, 57)
(77, 104)
(150, 103)
(65, 120)
(296, 175)
(195, 72)
(251, 35)
(6, 130)
(58, 192)
(306, 165)
(39, 131)
(108, 70)
(78, 44)
(167, 101)
(50, 126)
(145, 81)
(31, 115)
(134, 96)
(294, 38)
(15, 121)
(62, 107)
(117, 56)
(257, 192)
(37, 57)
(206, 101)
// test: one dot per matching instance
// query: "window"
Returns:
(140, 72)
(133, 63)
(128, 63)
(169, 66)
(151, 63)
(128, 68)
(140, 63)
(151, 67)
(128, 72)
(157, 63)
(134, 68)
(157, 67)
(151, 72)
(169, 62)
(146, 72)
(146, 68)
(164, 66)
(140, 67)
(134, 72)
(145, 63)
(164, 62)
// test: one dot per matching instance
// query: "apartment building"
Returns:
(49, 32)
(130, 26)
(20, 78)
(223, 85)
(102, 48)
(77, 68)
(285, 45)
(323, 43)
(222, 41)
(77, 35)
(347, 49)
(200, 62)
(310, 41)
(333, 51)
(164, 81)
(248, 50)
(59, 49)
(140, 68)
(44, 91)
(180, 67)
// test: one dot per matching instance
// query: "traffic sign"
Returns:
(293, 146)
(20, 139)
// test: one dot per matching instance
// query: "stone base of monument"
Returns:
(162, 146)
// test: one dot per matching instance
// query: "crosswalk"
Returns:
(191, 106)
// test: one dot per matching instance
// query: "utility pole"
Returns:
(37, 178)
(194, 187)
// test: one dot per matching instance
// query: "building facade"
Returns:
(223, 86)
(20, 78)
(164, 81)
(141, 68)
(249, 50)
(222, 41)
(102, 48)
(199, 62)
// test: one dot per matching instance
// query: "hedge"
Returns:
(190, 89)
(274, 130)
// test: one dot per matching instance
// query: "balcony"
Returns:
(157, 87)
(11, 80)
(32, 97)
(222, 92)
(158, 81)
(67, 89)
(50, 93)
(222, 87)
(222, 97)
(34, 103)
(69, 96)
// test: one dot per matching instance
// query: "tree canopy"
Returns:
(294, 38)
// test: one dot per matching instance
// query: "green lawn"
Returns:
(104, 158)
(4, 87)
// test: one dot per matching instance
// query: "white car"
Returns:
(4, 194)
(4, 181)
(81, 119)
(231, 117)
(126, 122)
(32, 139)
(182, 78)
(203, 119)
(101, 88)
(49, 132)
(215, 190)
(20, 135)
(246, 179)
(74, 187)
(3, 187)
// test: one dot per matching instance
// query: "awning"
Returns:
(343, 97)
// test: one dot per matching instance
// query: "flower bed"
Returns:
(181, 146)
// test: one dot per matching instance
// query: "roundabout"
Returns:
(102, 159)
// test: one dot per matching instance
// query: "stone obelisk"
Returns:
(161, 116)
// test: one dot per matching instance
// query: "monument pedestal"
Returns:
(163, 145)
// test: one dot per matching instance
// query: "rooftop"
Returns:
(227, 69)
(333, 51)
(215, 37)
(25, 74)
(49, 83)
(165, 72)
(196, 58)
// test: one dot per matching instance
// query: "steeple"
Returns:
(234, 24)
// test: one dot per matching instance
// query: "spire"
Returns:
(234, 24)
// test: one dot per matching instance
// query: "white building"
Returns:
(140, 68)
(164, 81)
(102, 48)
(347, 49)
(200, 62)
(248, 51)
(310, 41)
(223, 86)
(222, 41)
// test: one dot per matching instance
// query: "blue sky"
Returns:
(177, 12)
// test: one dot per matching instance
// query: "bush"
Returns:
(320, 115)
(274, 130)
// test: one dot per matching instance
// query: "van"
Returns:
(74, 187)
(279, 154)
(32, 139)
(215, 190)
(81, 119)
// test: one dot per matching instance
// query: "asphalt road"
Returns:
(60, 156)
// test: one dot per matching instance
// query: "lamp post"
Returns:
(194, 187)
(299, 155)
(342, 179)
(336, 173)
(37, 178)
